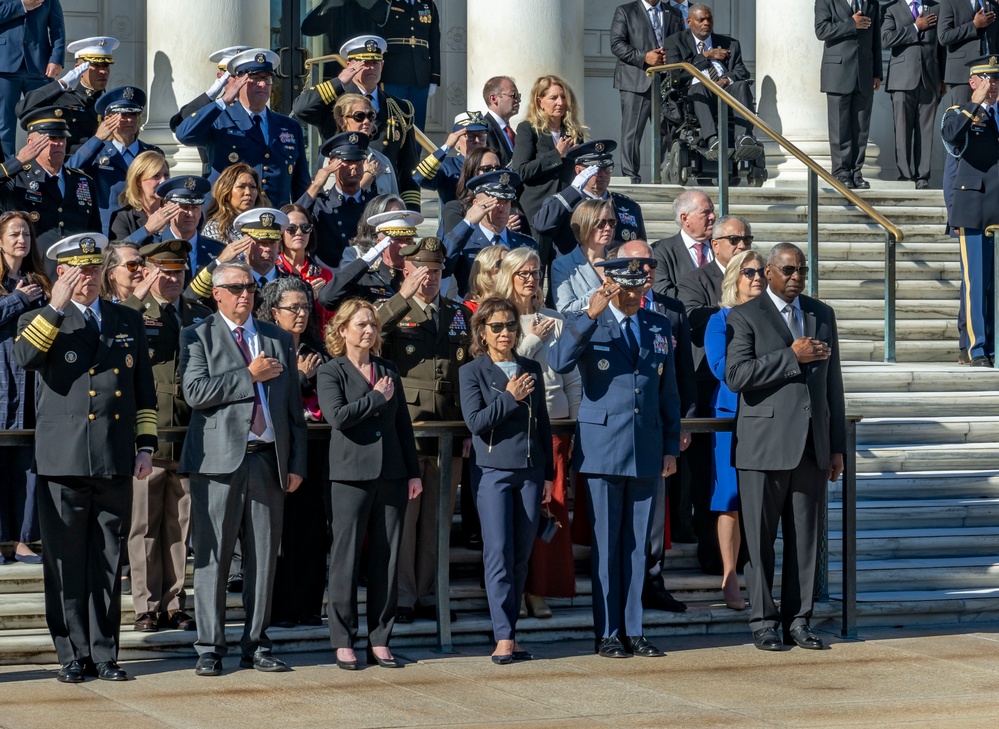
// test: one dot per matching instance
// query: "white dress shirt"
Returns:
(254, 344)
(709, 255)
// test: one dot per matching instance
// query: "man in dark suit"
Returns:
(915, 75)
(720, 57)
(790, 436)
(238, 127)
(966, 32)
(97, 422)
(32, 47)
(637, 34)
(502, 104)
(851, 73)
(245, 447)
(694, 212)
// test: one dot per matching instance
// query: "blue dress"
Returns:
(725, 487)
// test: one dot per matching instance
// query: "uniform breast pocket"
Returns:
(971, 181)
(596, 416)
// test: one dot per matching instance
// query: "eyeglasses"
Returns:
(736, 239)
(360, 116)
(295, 309)
(489, 168)
(791, 270)
(528, 275)
(237, 289)
(515, 97)
(606, 223)
(306, 228)
(132, 266)
(752, 273)
(497, 326)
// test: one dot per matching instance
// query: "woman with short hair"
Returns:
(574, 276)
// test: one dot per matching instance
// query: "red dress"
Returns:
(310, 270)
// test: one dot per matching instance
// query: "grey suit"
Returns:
(673, 261)
(791, 419)
(231, 487)
(914, 77)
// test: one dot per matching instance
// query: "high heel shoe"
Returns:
(383, 662)
(346, 665)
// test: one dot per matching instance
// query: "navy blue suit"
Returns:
(229, 136)
(513, 458)
(629, 419)
(29, 42)
(463, 245)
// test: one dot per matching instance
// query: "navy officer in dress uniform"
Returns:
(378, 274)
(970, 134)
(594, 163)
(105, 157)
(396, 138)
(59, 200)
(412, 30)
(97, 427)
(238, 127)
(338, 210)
(79, 90)
(627, 437)
(439, 172)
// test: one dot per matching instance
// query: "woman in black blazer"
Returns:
(375, 472)
(508, 417)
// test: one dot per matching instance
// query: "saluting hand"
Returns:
(232, 89)
(143, 288)
(32, 149)
(62, 289)
(162, 217)
(143, 465)
(601, 298)
(234, 249)
(414, 280)
(109, 125)
(264, 368)
(349, 71)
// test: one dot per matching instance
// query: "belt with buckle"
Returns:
(258, 446)
(411, 41)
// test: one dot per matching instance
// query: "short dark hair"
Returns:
(493, 86)
(487, 307)
(781, 248)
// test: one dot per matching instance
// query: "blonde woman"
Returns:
(354, 113)
(482, 274)
(142, 211)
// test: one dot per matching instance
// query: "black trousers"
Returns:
(636, 110)
(706, 108)
(849, 127)
(84, 524)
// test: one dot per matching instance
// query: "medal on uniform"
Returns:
(34, 216)
(128, 360)
(410, 349)
(291, 169)
(603, 365)
(104, 160)
(70, 357)
(660, 369)
(233, 157)
(33, 186)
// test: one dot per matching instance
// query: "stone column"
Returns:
(180, 36)
(788, 59)
(500, 43)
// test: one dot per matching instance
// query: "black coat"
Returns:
(969, 132)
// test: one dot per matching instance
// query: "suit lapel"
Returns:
(770, 311)
(615, 333)
(809, 320)
(353, 373)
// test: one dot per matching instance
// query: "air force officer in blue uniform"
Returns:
(627, 436)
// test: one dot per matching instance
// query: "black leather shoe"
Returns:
(846, 181)
(803, 637)
(383, 662)
(502, 659)
(346, 665)
(922, 184)
(523, 656)
(640, 646)
(404, 615)
(111, 671)
(71, 672)
(657, 597)
(981, 361)
(766, 639)
(611, 648)
(235, 584)
(312, 621)
(209, 664)
(860, 183)
(263, 662)
(146, 623)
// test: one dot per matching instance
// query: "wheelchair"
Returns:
(684, 157)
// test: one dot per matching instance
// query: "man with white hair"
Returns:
(694, 212)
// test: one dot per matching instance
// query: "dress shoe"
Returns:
(922, 184)
(981, 361)
(71, 672)
(611, 647)
(147, 623)
(636, 180)
(404, 615)
(860, 183)
(209, 664)
(179, 620)
(383, 662)
(263, 662)
(502, 659)
(803, 637)
(28, 558)
(963, 358)
(538, 607)
(523, 656)
(747, 148)
(234, 584)
(639, 645)
(346, 665)
(312, 621)
(658, 598)
(766, 639)
(283, 624)
(739, 604)
(847, 182)
(111, 671)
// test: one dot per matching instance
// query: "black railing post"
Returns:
(657, 128)
(890, 250)
(445, 447)
(813, 234)
(724, 164)
(849, 532)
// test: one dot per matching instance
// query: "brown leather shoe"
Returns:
(147, 623)
(179, 620)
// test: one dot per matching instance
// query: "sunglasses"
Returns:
(515, 97)
(752, 273)
(237, 289)
(132, 266)
(497, 326)
(489, 168)
(736, 239)
(528, 275)
(360, 116)
(791, 270)
(306, 228)
(295, 309)
(605, 223)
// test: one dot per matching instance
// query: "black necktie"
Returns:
(258, 125)
(629, 336)
(92, 326)
(171, 311)
(497, 239)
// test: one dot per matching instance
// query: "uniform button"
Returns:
(61, 224)
(91, 416)
(116, 416)
(636, 410)
(636, 372)
(92, 371)
(247, 420)
(637, 391)
(93, 393)
(59, 209)
(806, 408)
(265, 169)
(378, 434)
(115, 370)
(267, 155)
(117, 393)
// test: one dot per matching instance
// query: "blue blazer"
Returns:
(506, 433)
(724, 401)
(463, 245)
(229, 136)
(573, 280)
(37, 38)
(105, 165)
(630, 414)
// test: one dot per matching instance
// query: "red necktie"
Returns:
(509, 135)
(701, 258)
(258, 423)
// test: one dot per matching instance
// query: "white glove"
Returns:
(580, 180)
(376, 250)
(69, 80)
(431, 91)
(217, 87)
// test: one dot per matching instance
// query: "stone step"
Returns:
(919, 329)
(861, 377)
(797, 212)
(923, 404)
(944, 573)
(919, 513)
(928, 431)
(873, 288)
(791, 194)
(927, 485)
(933, 457)
(875, 544)
(905, 309)
(768, 233)
(856, 350)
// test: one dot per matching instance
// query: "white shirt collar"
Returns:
(503, 123)
(248, 327)
(780, 303)
(95, 309)
(489, 235)
(649, 8)
(689, 242)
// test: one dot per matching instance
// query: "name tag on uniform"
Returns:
(601, 348)
(235, 132)
(32, 197)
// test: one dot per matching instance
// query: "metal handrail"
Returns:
(446, 432)
(313, 64)
(893, 234)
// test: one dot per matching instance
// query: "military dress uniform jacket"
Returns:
(629, 417)
(358, 280)
(97, 400)
(440, 173)
(464, 243)
(336, 217)
(556, 213)
(80, 104)
(396, 138)
(971, 135)
(104, 164)
(413, 34)
(229, 136)
(163, 336)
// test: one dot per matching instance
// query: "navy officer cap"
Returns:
(254, 60)
(629, 272)
(500, 184)
(187, 190)
(122, 100)
(599, 152)
(472, 121)
(47, 120)
(346, 145)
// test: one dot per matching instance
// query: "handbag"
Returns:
(548, 526)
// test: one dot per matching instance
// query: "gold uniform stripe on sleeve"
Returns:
(411, 196)
(33, 340)
(326, 92)
(202, 284)
(44, 327)
(145, 429)
(429, 166)
(39, 335)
